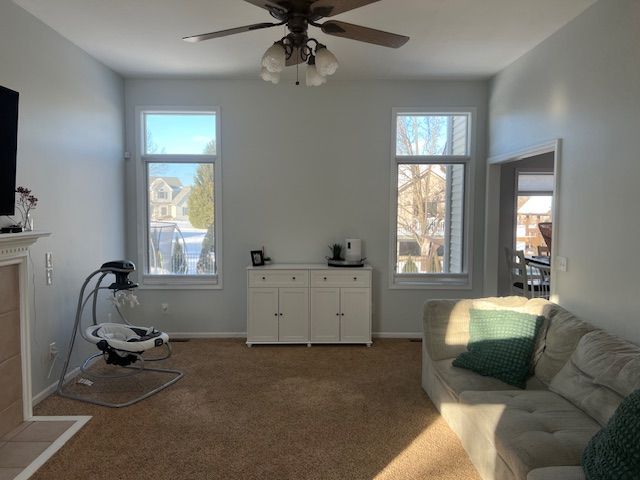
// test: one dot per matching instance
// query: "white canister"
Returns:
(353, 251)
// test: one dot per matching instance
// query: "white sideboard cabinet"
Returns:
(308, 304)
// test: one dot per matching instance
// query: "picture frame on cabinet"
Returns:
(257, 258)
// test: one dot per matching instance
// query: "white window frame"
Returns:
(435, 281)
(170, 282)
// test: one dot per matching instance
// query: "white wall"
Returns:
(302, 168)
(70, 145)
(583, 85)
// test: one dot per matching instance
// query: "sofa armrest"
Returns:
(445, 328)
(557, 473)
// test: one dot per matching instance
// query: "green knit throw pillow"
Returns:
(614, 452)
(501, 344)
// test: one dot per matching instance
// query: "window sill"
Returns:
(180, 283)
(428, 282)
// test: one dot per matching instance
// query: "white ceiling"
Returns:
(449, 38)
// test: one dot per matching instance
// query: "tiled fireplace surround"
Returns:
(26, 442)
(11, 404)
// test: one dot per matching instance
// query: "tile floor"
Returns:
(26, 442)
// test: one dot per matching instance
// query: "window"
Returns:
(534, 205)
(180, 167)
(430, 170)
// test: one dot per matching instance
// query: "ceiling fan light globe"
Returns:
(314, 79)
(268, 76)
(326, 62)
(275, 58)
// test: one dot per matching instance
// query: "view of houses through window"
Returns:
(431, 154)
(180, 193)
(534, 205)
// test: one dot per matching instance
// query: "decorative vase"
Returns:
(28, 224)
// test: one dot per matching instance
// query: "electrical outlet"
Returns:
(53, 350)
(49, 276)
(164, 307)
(561, 264)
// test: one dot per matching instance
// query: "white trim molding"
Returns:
(142, 159)
(194, 335)
(52, 388)
(400, 335)
(14, 250)
(189, 335)
(435, 281)
(80, 421)
(492, 218)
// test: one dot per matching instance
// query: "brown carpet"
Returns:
(281, 412)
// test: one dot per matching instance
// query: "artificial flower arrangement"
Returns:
(25, 202)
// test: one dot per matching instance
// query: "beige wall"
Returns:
(583, 85)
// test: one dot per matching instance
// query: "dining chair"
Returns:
(545, 230)
(543, 250)
(541, 278)
(527, 279)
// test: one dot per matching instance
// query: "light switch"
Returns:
(561, 263)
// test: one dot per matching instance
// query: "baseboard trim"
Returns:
(396, 334)
(181, 335)
(52, 388)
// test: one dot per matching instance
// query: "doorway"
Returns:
(526, 201)
(522, 192)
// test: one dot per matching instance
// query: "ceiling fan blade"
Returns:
(271, 5)
(230, 31)
(363, 34)
(329, 8)
(295, 58)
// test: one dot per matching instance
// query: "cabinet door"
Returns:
(294, 315)
(325, 314)
(355, 319)
(262, 315)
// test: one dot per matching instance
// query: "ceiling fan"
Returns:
(297, 47)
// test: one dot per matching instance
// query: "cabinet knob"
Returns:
(293, 278)
(280, 314)
(355, 278)
(342, 314)
(275, 314)
(337, 314)
(264, 278)
(324, 278)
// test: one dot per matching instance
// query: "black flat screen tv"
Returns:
(8, 148)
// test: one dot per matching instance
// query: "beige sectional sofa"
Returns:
(579, 376)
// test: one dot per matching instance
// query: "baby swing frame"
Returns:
(126, 358)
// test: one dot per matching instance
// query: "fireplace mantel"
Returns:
(17, 244)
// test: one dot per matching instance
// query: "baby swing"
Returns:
(119, 344)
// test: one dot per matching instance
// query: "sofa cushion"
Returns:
(529, 429)
(446, 322)
(563, 333)
(602, 371)
(557, 473)
(458, 380)
(615, 450)
(501, 345)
